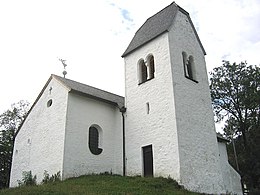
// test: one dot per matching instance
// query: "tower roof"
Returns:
(157, 25)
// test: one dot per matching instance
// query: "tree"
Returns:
(10, 121)
(235, 93)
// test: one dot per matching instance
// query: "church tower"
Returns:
(170, 129)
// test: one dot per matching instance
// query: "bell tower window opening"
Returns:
(142, 69)
(150, 66)
(189, 67)
(146, 69)
(184, 60)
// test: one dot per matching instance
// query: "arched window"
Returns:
(190, 64)
(142, 71)
(150, 66)
(189, 67)
(184, 58)
(94, 140)
(146, 69)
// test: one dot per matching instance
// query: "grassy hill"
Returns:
(103, 184)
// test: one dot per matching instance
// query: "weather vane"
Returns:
(64, 65)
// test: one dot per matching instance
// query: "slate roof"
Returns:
(91, 92)
(157, 25)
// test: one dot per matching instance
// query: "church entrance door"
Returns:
(148, 161)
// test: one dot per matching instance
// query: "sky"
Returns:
(92, 35)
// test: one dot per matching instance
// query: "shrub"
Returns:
(46, 177)
(49, 179)
(27, 179)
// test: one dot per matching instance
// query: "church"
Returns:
(163, 127)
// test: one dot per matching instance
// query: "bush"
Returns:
(28, 179)
(49, 179)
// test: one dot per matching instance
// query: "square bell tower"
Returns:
(170, 128)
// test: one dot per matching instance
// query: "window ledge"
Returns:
(145, 81)
(191, 79)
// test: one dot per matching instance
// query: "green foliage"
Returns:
(50, 179)
(10, 121)
(254, 192)
(105, 184)
(249, 161)
(28, 179)
(235, 93)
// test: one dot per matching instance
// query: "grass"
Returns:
(103, 184)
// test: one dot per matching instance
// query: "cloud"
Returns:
(93, 35)
(122, 16)
(126, 15)
(229, 32)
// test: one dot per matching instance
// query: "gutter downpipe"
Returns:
(123, 110)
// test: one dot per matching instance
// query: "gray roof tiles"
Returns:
(155, 26)
(92, 92)
(152, 28)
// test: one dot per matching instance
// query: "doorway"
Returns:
(148, 161)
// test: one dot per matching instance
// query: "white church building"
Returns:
(163, 126)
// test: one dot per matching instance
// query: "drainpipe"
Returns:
(123, 110)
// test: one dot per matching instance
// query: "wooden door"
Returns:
(148, 161)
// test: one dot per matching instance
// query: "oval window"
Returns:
(49, 103)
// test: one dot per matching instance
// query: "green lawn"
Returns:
(104, 184)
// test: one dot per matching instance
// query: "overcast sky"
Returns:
(92, 35)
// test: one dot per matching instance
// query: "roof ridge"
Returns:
(156, 14)
(95, 88)
(141, 36)
(162, 10)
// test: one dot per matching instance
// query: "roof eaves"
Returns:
(94, 97)
(220, 138)
(92, 92)
(132, 50)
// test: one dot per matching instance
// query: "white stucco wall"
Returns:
(82, 113)
(195, 125)
(159, 126)
(232, 179)
(39, 143)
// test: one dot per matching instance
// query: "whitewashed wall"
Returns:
(180, 124)
(159, 126)
(82, 113)
(232, 179)
(199, 157)
(40, 142)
